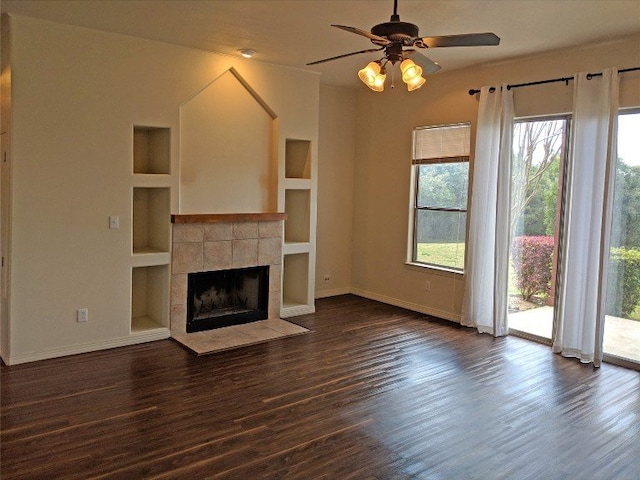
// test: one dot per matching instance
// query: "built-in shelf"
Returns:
(150, 258)
(151, 232)
(298, 199)
(290, 248)
(297, 184)
(146, 325)
(149, 294)
(295, 280)
(298, 209)
(149, 180)
(297, 159)
(151, 150)
(151, 213)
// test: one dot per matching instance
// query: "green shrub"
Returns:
(531, 259)
(623, 287)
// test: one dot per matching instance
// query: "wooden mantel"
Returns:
(227, 217)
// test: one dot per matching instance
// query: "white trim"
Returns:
(454, 317)
(134, 338)
(435, 269)
(332, 293)
(295, 310)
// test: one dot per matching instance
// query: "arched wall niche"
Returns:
(228, 160)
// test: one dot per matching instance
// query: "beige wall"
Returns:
(5, 184)
(383, 151)
(336, 154)
(226, 147)
(76, 95)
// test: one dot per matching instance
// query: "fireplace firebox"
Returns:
(227, 297)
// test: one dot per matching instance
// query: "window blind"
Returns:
(441, 144)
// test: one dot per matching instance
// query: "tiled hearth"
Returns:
(204, 243)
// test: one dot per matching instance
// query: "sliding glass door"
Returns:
(622, 322)
(539, 151)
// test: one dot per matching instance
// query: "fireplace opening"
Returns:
(227, 297)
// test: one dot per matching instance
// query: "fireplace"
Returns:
(205, 243)
(223, 298)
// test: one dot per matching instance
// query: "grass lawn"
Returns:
(449, 255)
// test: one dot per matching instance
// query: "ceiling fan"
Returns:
(399, 41)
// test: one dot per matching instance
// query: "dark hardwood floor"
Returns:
(375, 392)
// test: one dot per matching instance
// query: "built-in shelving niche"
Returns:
(297, 159)
(149, 292)
(297, 206)
(151, 150)
(151, 220)
(295, 281)
(151, 231)
(299, 199)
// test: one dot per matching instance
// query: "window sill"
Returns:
(445, 272)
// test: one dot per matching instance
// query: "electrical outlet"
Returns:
(427, 286)
(327, 278)
(83, 315)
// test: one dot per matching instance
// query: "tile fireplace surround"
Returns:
(209, 242)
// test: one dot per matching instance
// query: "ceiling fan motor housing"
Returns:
(393, 53)
(396, 31)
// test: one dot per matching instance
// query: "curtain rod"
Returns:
(553, 80)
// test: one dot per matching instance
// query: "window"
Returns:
(439, 201)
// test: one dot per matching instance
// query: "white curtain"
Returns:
(487, 266)
(579, 322)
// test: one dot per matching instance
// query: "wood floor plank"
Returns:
(375, 392)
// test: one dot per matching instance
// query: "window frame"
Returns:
(412, 250)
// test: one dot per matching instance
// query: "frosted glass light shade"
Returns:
(412, 75)
(415, 83)
(372, 76)
(410, 71)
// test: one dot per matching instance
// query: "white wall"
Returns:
(76, 95)
(383, 160)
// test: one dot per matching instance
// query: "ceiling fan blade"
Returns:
(464, 40)
(428, 65)
(369, 35)
(345, 55)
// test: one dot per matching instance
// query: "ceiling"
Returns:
(295, 32)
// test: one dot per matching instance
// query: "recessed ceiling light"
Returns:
(246, 52)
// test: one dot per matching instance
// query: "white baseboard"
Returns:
(163, 333)
(332, 293)
(138, 337)
(294, 311)
(408, 305)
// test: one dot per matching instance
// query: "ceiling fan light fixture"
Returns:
(399, 39)
(410, 71)
(412, 75)
(415, 83)
(373, 76)
(378, 85)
